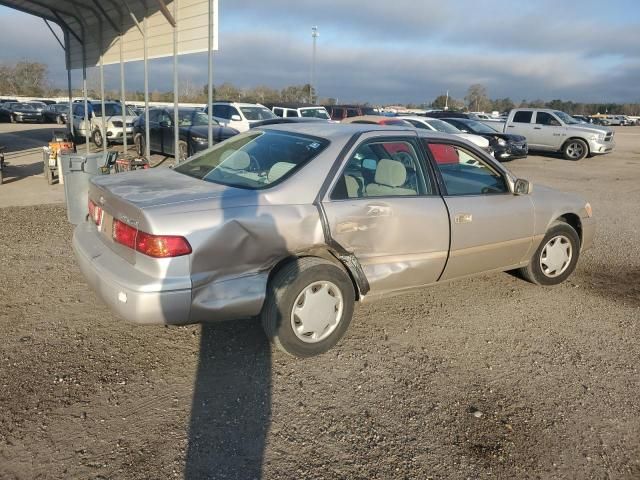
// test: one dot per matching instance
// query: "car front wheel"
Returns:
(575, 149)
(556, 257)
(309, 306)
(97, 139)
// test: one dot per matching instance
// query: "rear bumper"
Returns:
(124, 289)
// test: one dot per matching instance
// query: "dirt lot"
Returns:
(484, 378)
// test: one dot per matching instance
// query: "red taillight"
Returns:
(95, 212)
(157, 246)
(124, 234)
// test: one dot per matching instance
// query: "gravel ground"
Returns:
(489, 377)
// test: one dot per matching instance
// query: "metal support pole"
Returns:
(122, 91)
(176, 123)
(210, 76)
(84, 94)
(67, 51)
(104, 124)
(314, 35)
(147, 146)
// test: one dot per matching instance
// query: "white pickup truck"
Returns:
(555, 131)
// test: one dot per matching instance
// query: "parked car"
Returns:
(56, 112)
(582, 119)
(46, 102)
(15, 112)
(239, 115)
(437, 125)
(340, 112)
(193, 131)
(295, 223)
(288, 110)
(505, 146)
(116, 126)
(378, 120)
(556, 131)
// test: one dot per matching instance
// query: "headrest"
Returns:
(391, 173)
(236, 159)
(278, 170)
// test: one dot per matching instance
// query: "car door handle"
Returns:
(374, 210)
(511, 126)
(463, 218)
(537, 128)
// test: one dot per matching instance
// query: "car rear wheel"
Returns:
(309, 306)
(140, 146)
(556, 257)
(575, 149)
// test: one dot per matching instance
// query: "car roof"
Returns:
(370, 118)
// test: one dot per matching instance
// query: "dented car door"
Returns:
(384, 208)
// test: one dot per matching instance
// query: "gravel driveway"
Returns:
(489, 377)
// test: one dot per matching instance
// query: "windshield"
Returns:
(254, 160)
(314, 113)
(257, 113)
(441, 126)
(566, 118)
(36, 105)
(110, 109)
(194, 118)
(478, 127)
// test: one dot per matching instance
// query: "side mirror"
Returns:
(236, 118)
(522, 187)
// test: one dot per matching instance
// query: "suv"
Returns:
(115, 129)
(340, 112)
(239, 115)
(285, 110)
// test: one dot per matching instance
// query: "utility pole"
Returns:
(446, 101)
(314, 35)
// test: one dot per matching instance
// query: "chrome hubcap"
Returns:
(317, 311)
(556, 256)
(575, 150)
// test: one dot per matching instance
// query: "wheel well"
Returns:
(577, 138)
(573, 220)
(319, 253)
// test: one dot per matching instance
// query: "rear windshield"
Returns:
(254, 160)
(314, 113)
(257, 113)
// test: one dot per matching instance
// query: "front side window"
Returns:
(544, 118)
(257, 113)
(465, 173)
(254, 160)
(314, 113)
(154, 116)
(522, 116)
(382, 169)
(194, 118)
(221, 111)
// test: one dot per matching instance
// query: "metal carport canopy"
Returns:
(102, 32)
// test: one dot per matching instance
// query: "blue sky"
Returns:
(399, 51)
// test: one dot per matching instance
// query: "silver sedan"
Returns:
(295, 223)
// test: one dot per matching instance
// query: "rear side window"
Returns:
(522, 117)
(254, 160)
(278, 112)
(382, 169)
(292, 113)
(352, 112)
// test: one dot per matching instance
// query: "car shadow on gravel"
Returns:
(231, 409)
(621, 284)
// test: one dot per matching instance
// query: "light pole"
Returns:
(314, 35)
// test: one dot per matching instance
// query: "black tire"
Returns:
(96, 138)
(283, 290)
(183, 151)
(575, 149)
(533, 272)
(140, 146)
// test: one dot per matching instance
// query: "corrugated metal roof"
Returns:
(98, 24)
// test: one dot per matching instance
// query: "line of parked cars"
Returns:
(33, 111)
